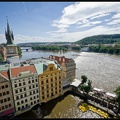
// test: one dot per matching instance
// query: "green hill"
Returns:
(100, 39)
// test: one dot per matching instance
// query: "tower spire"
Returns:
(9, 34)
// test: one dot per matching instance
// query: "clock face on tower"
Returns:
(11, 50)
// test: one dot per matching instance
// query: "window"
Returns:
(18, 108)
(36, 80)
(5, 100)
(47, 86)
(19, 84)
(47, 95)
(33, 81)
(31, 103)
(34, 97)
(6, 106)
(25, 95)
(22, 102)
(6, 86)
(47, 91)
(17, 97)
(31, 98)
(37, 100)
(4, 93)
(29, 87)
(9, 99)
(25, 100)
(55, 78)
(42, 88)
(23, 83)
(0, 94)
(51, 80)
(15, 85)
(30, 93)
(51, 85)
(42, 92)
(51, 68)
(22, 107)
(1, 101)
(42, 82)
(24, 89)
(10, 105)
(3, 107)
(47, 81)
(2, 87)
(18, 103)
(33, 86)
(43, 97)
(29, 82)
(26, 105)
(20, 90)
(36, 85)
(37, 96)
(59, 77)
(16, 91)
(34, 102)
(21, 96)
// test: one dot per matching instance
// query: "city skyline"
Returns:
(58, 21)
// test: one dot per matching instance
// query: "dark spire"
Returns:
(9, 34)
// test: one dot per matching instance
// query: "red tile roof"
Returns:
(60, 61)
(16, 71)
(5, 73)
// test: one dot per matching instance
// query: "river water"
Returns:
(102, 69)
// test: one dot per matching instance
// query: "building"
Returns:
(9, 49)
(24, 80)
(6, 96)
(49, 77)
(68, 67)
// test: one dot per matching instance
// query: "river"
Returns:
(102, 69)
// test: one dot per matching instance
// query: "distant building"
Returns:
(68, 67)
(49, 77)
(24, 80)
(6, 96)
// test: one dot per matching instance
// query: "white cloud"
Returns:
(81, 11)
(116, 21)
(116, 15)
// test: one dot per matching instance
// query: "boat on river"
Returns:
(84, 107)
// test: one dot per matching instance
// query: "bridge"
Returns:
(26, 48)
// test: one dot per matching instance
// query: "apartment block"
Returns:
(24, 80)
(6, 96)
(68, 67)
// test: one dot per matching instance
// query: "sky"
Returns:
(58, 21)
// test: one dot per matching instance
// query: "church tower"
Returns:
(11, 49)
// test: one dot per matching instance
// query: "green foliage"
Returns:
(76, 48)
(19, 51)
(105, 49)
(117, 91)
(84, 79)
(100, 39)
(85, 87)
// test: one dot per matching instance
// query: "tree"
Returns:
(117, 91)
(84, 79)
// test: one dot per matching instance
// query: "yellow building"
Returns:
(49, 77)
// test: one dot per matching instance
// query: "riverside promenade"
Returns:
(98, 99)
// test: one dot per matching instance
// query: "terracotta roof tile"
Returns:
(60, 61)
(16, 71)
(5, 73)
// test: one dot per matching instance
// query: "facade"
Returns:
(6, 96)
(24, 80)
(50, 78)
(68, 69)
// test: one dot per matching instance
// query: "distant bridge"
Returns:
(26, 48)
